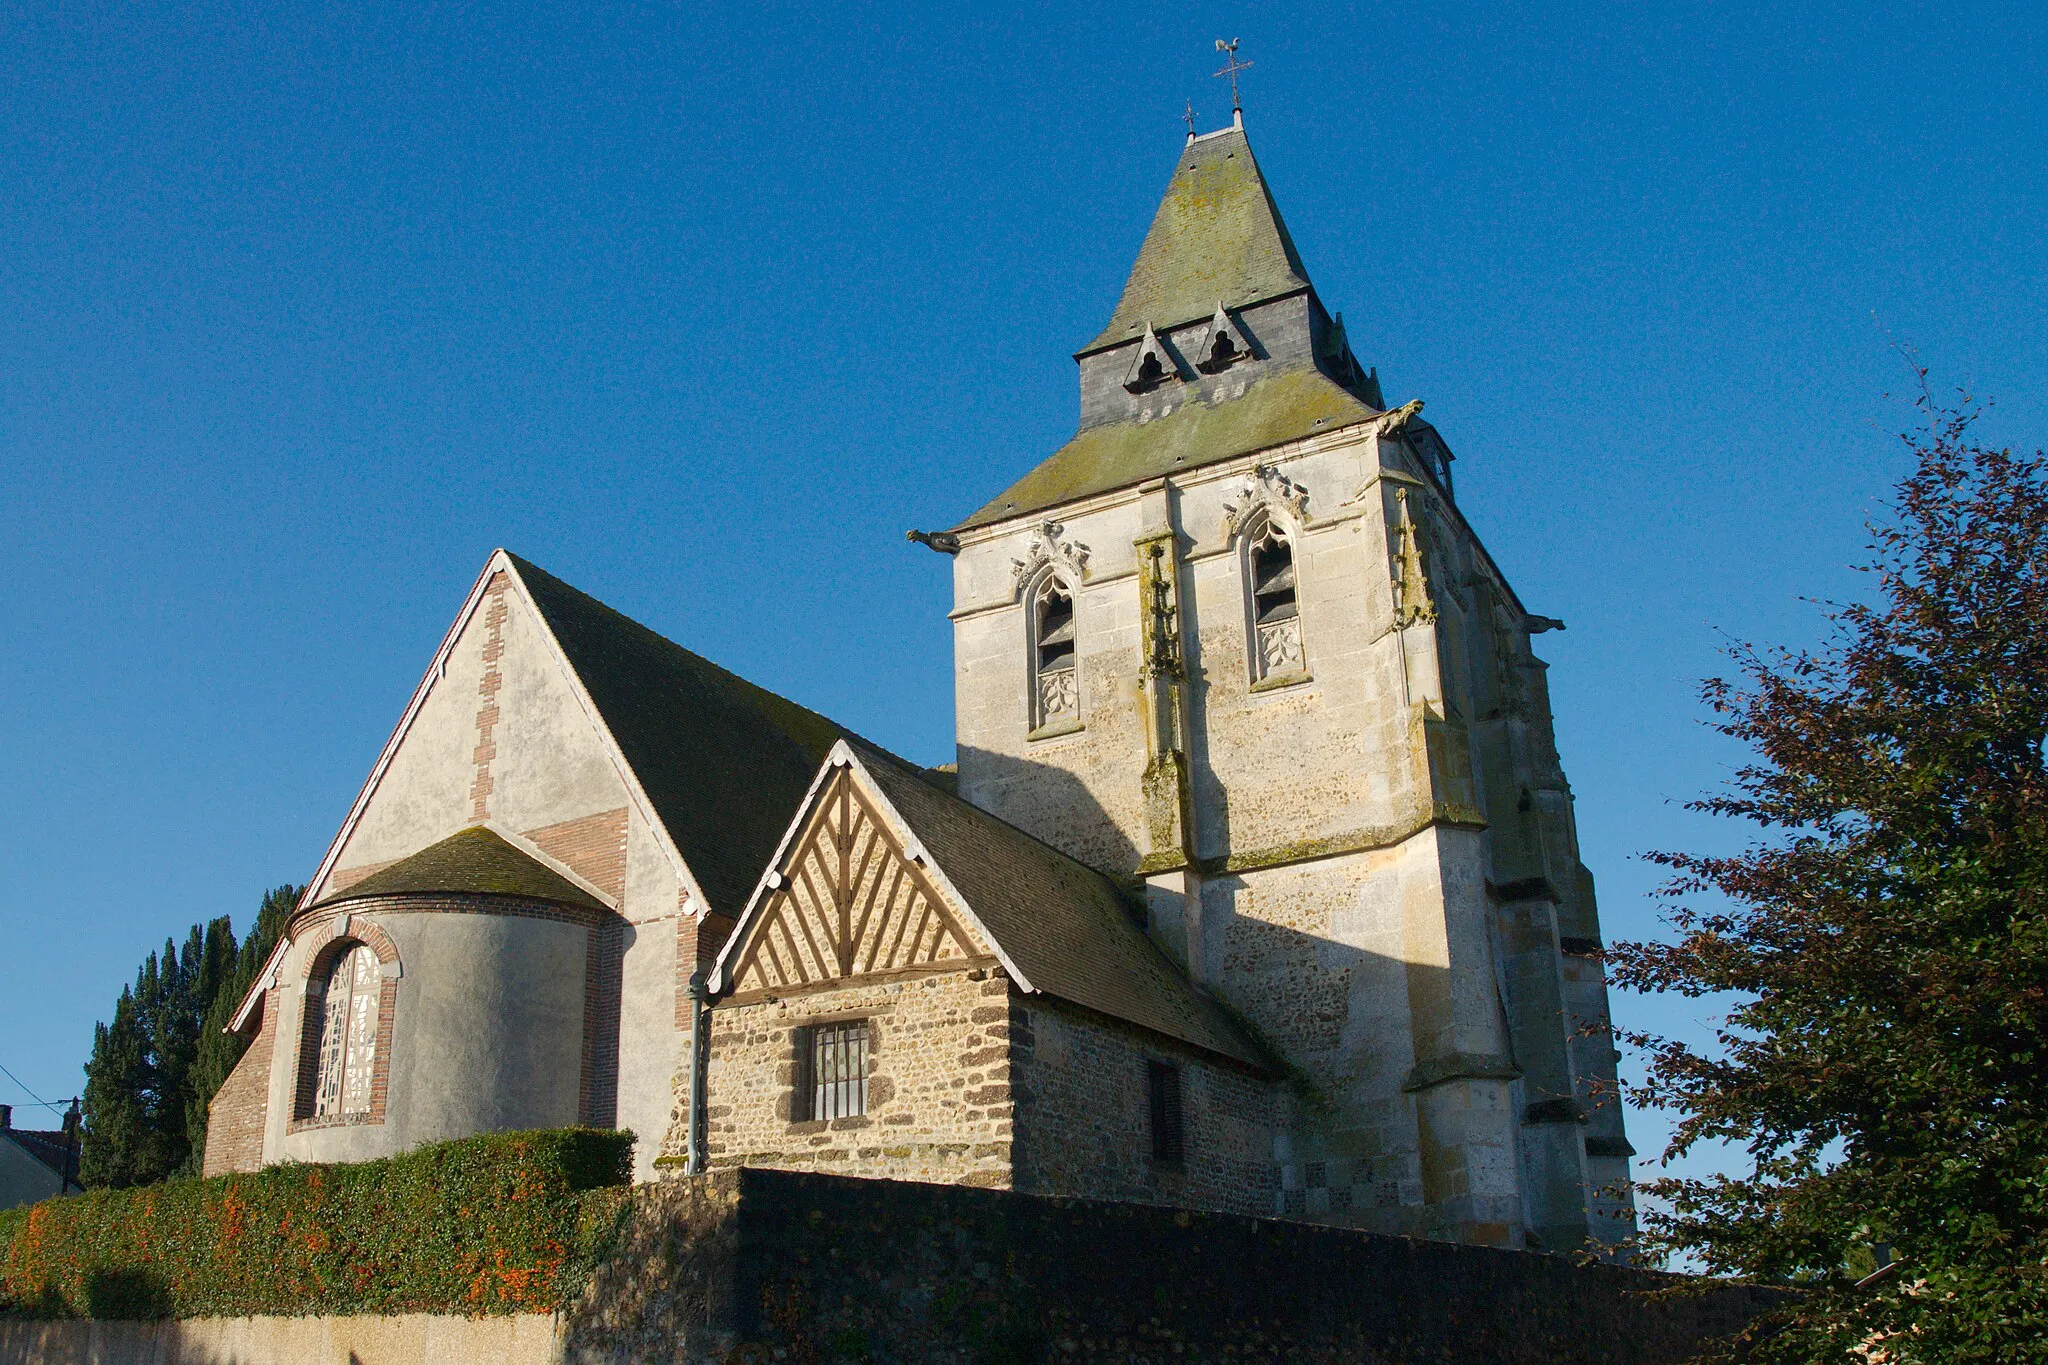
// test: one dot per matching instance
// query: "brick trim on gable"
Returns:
(597, 1098)
(591, 846)
(487, 695)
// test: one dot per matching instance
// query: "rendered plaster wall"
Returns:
(502, 737)
(487, 1034)
(1083, 1125)
(411, 1339)
(23, 1179)
(939, 1106)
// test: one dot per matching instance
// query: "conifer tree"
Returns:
(219, 1050)
(116, 1101)
(1885, 936)
(158, 1064)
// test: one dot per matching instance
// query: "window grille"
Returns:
(1163, 1087)
(1053, 659)
(348, 1035)
(835, 1060)
(1276, 618)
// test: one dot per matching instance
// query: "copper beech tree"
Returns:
(1885, 934)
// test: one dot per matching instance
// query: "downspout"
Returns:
(700, 1039)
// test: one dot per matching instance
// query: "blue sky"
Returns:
(303, 309)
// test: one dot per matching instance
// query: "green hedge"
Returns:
(505, 1223)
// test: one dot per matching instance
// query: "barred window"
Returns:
(1163, 1089)
(834, 1064)
(348, 1035)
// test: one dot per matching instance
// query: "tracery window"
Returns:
(1056, 699)
(347, 1057)
(1275, 614)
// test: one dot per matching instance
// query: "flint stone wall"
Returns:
(757, 1265)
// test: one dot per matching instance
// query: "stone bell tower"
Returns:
(1236, 641)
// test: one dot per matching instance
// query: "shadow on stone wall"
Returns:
(1052, 805)
(771, 1265)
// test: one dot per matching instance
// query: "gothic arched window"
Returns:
(1055, 676)
(349, 1022)
(1276, 649)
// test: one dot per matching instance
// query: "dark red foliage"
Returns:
(1886, 937)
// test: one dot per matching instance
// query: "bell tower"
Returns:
(1235, 641)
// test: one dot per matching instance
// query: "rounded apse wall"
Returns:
(490, 1016)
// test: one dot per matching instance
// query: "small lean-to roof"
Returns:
(1217, 238)
(1064, 928)
(475, 861)
(723, 762)
(1279, 407)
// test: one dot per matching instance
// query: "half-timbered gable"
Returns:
(850, 899)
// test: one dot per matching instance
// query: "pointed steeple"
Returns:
(1217, 238)
(1219, 346)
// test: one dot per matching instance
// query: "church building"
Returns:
(1255, 886)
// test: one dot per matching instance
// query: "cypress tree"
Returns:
(117, 1086)
(157, 1066)
(218, 1050)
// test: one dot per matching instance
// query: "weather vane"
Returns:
(1190, 117)
(1231, 66)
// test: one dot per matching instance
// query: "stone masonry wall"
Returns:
(235, 1119)
(758, 1266)
(939, 1102)
(1084, 1124)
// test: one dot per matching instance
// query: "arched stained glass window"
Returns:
(1056, 685)
(348, 1035)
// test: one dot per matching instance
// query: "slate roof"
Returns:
(1217, 238)
(1283, 406)
(723, 761)
(1069, 929)
(474, 861)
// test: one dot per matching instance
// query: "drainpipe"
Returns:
(700, 1047)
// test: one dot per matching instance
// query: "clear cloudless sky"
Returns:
(304, 308)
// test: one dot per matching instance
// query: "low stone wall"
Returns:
(747, 1266)
(415, 1339)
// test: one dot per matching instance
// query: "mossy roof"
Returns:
(474, 861)
(1068, 928)
(723, 762)
(1282, 406)
(1217, 238)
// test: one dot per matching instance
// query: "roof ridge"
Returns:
(528, 567)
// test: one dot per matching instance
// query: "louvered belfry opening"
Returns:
(1276, 618)
(1163, 1093)
(834, 1084)
(1058, 696)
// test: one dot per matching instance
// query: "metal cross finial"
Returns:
(1190, 117)
(1231, 66)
